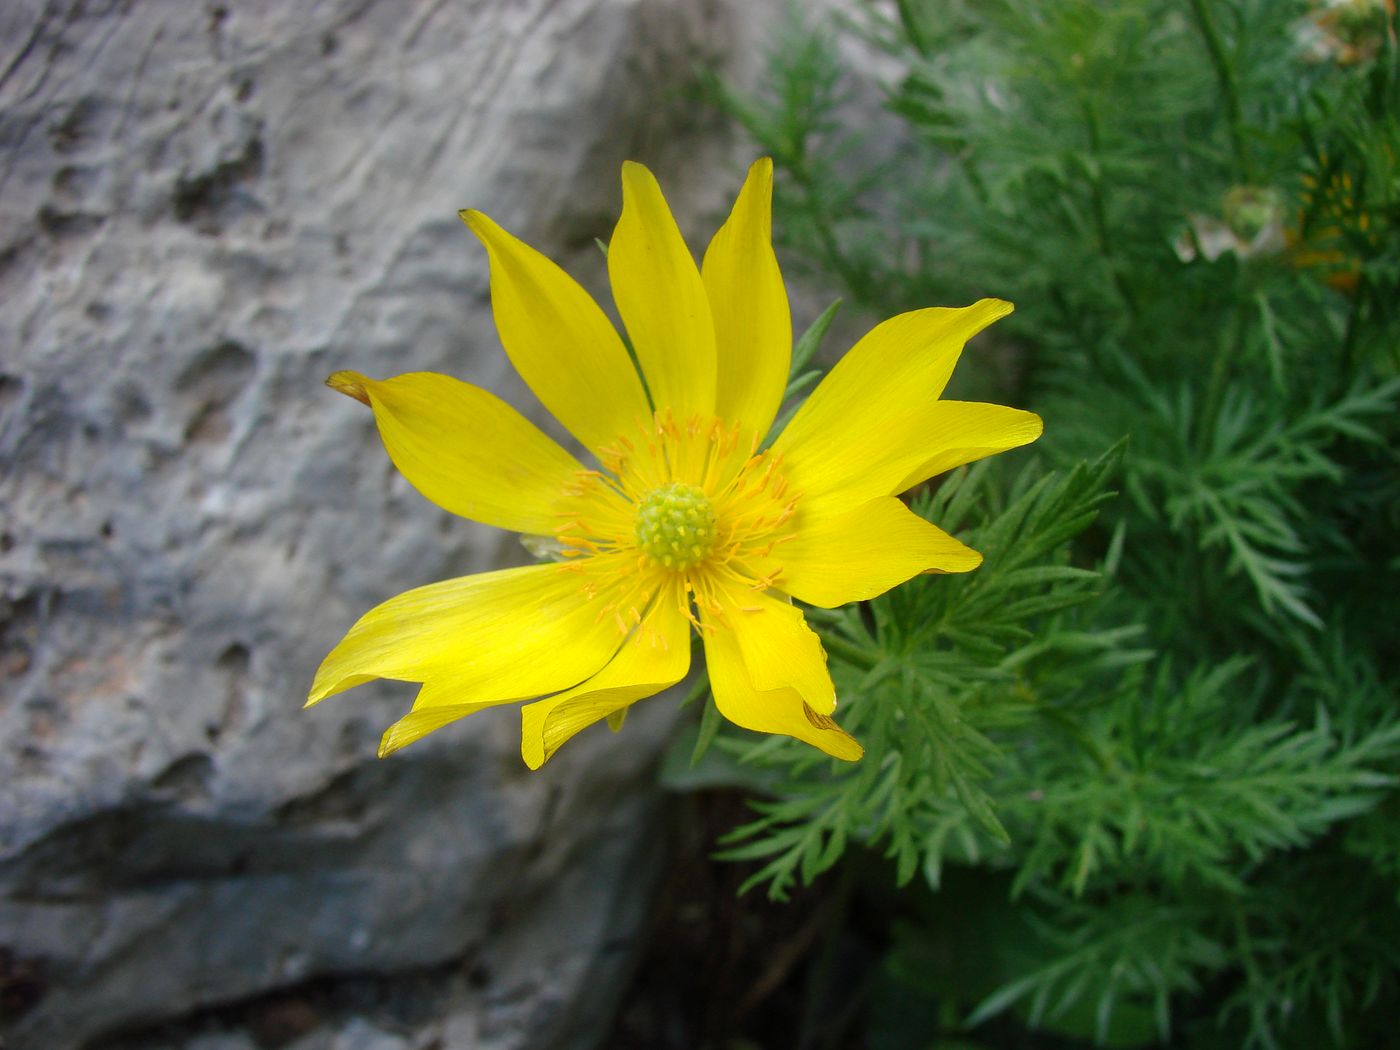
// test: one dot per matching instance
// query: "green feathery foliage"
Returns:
(1143, 762)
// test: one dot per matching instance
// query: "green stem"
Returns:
(1100, 209)
(1231, 341)
(1349, 337)
(1228, 88)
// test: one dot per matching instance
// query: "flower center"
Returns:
(676, 525)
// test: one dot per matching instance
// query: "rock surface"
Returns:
(204, 209)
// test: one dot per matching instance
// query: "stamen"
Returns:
(675, 526)
(684, 510)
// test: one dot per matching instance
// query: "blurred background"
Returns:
(1131, 783)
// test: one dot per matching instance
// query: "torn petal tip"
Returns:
(351, 384)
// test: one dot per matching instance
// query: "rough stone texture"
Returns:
(204, 209)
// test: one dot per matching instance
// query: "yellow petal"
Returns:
(433, 709)
(778, 648)
(864, 552)
(662, 299)
(466, 449)
(418, 724)
(655, 657)
(875, 419)
(781, 711)
(753, 326)
(498, 636)
(559, 340)
(961, 432)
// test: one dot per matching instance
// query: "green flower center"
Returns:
(676, 525)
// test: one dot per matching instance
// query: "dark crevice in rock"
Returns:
(157, 846)
(11, 253)
(346, 797)
(19, 627)
(211, 382)
(235, 659)
(217, 196)
(234, 662)
(156, 843)
(11, 386)
(74, 182)
(84, 122)
(58, 223)
(22, 984)
(718, 968)
(187, 778)
(220, 369)
(403, 1000)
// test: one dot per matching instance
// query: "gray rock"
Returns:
(204, 209)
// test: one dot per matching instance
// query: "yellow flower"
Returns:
(687, 523)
